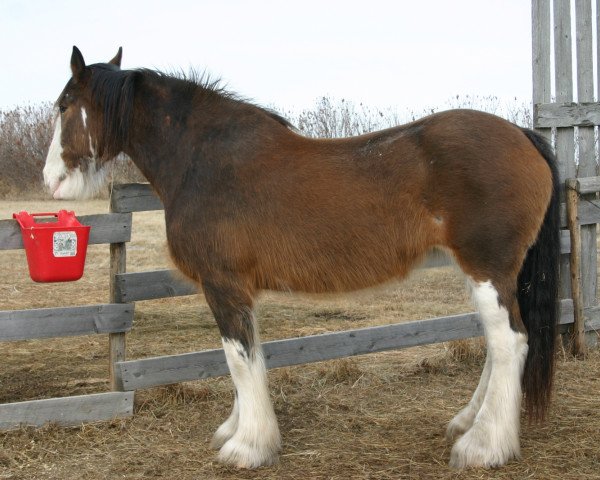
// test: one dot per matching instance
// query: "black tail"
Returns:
(538, 296)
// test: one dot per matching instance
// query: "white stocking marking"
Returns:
(227, 428)
(493, 439)
(464, 419)
(256, 440)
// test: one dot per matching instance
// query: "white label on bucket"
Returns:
(64, 244)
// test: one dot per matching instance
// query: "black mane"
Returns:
(114, 90)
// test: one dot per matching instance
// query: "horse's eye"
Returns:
(62, 108)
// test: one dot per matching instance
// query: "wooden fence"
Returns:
(570, 124)
(111, 318)
(149, 372)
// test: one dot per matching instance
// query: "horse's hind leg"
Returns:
(250, 437)
(493, 438)
(465, 418)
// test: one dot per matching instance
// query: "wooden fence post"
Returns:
(116, 341)
(578, 341)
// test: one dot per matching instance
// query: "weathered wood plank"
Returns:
(587, 185)
(587, 155)
(134, 197)
(564, 139)
(437, 258)
(541, 53)
(565, 242)
(165, 370)
(117, 342)
(567, 114)
(193, 366)
(65, 321)
(106, 228)
(67, 411)
(578, 332)
(589, 212)
(132, 287)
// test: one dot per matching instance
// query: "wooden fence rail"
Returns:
(164, 370)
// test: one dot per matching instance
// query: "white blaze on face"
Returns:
(84, 117)
(67, 184)
(55, 169)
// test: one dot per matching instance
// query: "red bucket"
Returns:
(55, 249)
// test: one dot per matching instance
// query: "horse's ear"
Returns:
(117, 58)
(77, 64)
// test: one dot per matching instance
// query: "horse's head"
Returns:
(78, 153)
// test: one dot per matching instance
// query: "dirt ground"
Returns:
(379, 416)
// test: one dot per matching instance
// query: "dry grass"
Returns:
(378, 416)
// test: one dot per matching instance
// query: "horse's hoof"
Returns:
(476, 448)
(224, 433)
(458, 426)
(243, 455)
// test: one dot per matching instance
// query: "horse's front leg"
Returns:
(250, 437)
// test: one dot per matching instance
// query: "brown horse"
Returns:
(252, 205)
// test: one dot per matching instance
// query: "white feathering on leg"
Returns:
(256, 440)
(493, 439)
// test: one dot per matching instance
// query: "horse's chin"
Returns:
(78, 185)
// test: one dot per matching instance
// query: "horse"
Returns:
(250, 204)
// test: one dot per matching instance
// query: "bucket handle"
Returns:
(27, 220)
(49, 214)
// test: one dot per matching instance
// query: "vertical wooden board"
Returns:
(578, 333)
(67, 411)
(565, 142)
(584, 51)
(598, 47)
(540, 15)
(117, 342)
(585, 139)
(563, 57)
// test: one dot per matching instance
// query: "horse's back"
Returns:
(344, 214)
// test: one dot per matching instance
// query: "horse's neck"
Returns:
(168, 136)
(156, 142)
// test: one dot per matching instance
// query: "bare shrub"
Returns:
(334, 119)
(25, 135)
(331, 118)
